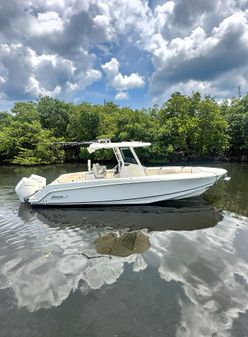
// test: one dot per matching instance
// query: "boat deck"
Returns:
(83, 176)
(110, 174)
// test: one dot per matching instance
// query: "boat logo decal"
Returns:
(59, 196)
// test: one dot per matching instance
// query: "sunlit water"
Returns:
(172, 269)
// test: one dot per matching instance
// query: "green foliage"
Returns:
(25, 112)
(84, 122)
(54, 115)
(109, 116)
(238, 130)
(28, 144)
(5, 119)
(236, 115)
(98, 155)
(212, 136)
(184, 127)
(192, 127)
(41, 154)
(133, 125)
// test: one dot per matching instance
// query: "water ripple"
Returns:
(47, 254)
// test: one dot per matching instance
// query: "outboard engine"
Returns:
(29, 186)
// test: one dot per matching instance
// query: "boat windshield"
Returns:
(128, 156)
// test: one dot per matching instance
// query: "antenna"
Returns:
(239, 90)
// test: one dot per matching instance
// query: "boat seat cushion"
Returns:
(99, 170)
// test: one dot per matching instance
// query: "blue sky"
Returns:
(135, 53)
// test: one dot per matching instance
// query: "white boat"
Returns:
(129, 182)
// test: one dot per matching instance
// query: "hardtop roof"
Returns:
(97, 146)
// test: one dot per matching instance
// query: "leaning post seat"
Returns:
(100, 171)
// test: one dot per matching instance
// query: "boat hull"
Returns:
(140, 190)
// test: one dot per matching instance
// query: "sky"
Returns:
(132, 52)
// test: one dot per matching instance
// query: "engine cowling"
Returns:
(29, 186)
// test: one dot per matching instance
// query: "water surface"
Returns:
(170, 269)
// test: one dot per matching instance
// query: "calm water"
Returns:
(171, 269)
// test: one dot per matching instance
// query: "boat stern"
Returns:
(29, 186)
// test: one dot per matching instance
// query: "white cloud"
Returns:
(103, 23)
(125, 82)
(53, 50)
(34, 88)
(25, 73)
(186, 41)
(90, 76)
(119, 81)
(162, 13)
(121, 95)
(46, 23)
(111, 68)
(198, 57)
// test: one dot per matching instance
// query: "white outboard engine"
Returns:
(29, 186)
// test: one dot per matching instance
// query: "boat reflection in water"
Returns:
(190, 214)
(54, 251)
(128, 227)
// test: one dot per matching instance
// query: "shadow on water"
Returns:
(127, 226)
(189, 214)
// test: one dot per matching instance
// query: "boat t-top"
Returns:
(129, 182)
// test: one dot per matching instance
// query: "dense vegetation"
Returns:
(183, 128)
